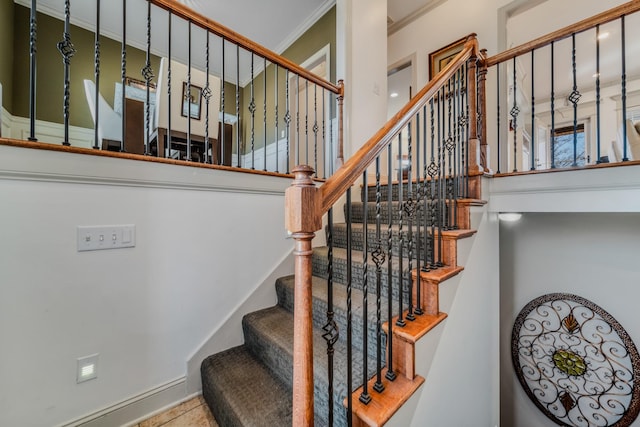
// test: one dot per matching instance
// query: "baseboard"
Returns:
(136, 408)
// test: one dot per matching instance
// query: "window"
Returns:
(569, 149)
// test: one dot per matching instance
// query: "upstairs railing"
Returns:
(562, 98)
(203, 93)
(422, 162)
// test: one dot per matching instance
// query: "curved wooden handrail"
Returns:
(218, 29)
(344, 177)
(585, 24)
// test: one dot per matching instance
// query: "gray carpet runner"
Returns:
(250, 385)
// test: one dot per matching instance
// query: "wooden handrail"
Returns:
(344, 177)
(585, 24)
(218, 29)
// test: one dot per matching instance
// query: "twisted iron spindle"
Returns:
(96, 73)
(420, 190)
(306, 121)
(378, 257)
(207, 93)
(498, 116)
(238, 151)
(449, 145)
(400, 322)
(167, 148)
(276, 118)
(433, 171)
(222, 138)
(598, 93)
(252, 110)
(533, 113)
(330, 329)
(123, 73)
(624, 91)
(349, 309)
(297, 119)
(67, 50)
(553, 111)
(365, 397)
(287, 117)
(410, 209)
(390, 375)
(441, 196)
(574, 97)
(147, 73)
(315, 127)
(188, 94)
(514, 115)
(33, 37)
(264, 112)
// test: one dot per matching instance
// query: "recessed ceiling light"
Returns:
(603, 36)
(393, 94)
(596, 75)
(509, 216)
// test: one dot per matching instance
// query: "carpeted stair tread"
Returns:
(357, 212)
(237, 399)
(357, 238)
(269, 334)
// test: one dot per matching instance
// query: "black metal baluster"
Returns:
(252, 110)
(188, 94)
(306, 121)
(598, 94)
(533, 113)
(390, 375)
(465, 128)
(167, 142)
(433, 171)
(67, 50)
(426, 189)
(33, 37)
(349, 311)
(206, 94)
(574, 97)
(410, 209)
(364, 396)
(264, 112)
(238, 151)
(441, 198)
(147, 73)
(297, 119)
(123, 73)
(287, 117)
(378, 258)
(315, 128)
(400, 322)
(96, 73)
(223, 151)
(449, 145)
(324, 136)
(277, 139)
(457, 145)
(498, 115)
(553, 111)
(330, 329)
(624, 91)
(420, 192)
(514, 114)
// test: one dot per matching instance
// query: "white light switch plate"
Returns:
(93, 238)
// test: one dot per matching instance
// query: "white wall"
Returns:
(145, 310)
(593, 255)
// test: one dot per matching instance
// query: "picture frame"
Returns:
(192, 101)
(441, 57)
(139, 84)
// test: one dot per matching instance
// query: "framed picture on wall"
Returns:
(191, 101)
(441, 57)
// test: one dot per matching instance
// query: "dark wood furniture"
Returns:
(179, 142)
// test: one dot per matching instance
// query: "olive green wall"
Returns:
(323, 32)
(6, 52)
(50, 71)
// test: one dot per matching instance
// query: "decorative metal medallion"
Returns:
(576, 362)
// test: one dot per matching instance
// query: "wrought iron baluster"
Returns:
(533, 113)
(434, 171)
(400, 322)
(349, 309)
(441, 198)
(276, 118)
(67, 50)
(306, 121)
(33, 38)
(252, 110)
(598, 94)
(287, 117)
(324, 136)
(96, 72)
(624, 91)
(498, 116)
(465, 128)
(222, 138)
(574, 97)
(420, 190)
(123, 73)
(238, 151)
(315, 127)
(264, 111)
(206, 93)
(147, 73)
(514, 115)
(364, 396)
(188, 94)
(449, 145)
(390, 375)
(410, 209)
(426, 190)
(456, 147)
(297, 119)
(330, 329)
(378, 258)
(167, 142)
(553, 111)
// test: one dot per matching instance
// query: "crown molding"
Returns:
(397, 26)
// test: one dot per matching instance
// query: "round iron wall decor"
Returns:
(576, 362)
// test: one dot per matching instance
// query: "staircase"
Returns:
(250, 385)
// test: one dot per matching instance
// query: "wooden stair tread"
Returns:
(457, 234)
(473, 202)
(439, 275)
(415, 329)
(383, 405)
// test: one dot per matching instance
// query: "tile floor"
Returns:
(192, 413)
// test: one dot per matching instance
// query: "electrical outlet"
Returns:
(93, 238)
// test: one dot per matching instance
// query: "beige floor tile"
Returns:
(197, 417)
(171, 414)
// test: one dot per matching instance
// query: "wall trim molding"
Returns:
(138, 407)
(17, 163)
(304, 26)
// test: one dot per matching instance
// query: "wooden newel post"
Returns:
(302, 219)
